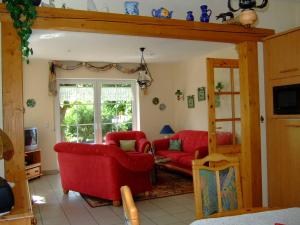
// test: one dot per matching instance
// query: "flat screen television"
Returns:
(31, 138)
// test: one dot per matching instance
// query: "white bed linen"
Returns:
(289, 216)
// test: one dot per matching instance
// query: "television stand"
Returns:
(33, 163)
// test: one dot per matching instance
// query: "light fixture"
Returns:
(144, 79)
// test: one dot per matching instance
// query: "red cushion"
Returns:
(174, 155)
(186, 160)
(192, 139)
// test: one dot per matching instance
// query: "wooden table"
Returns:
(290, 216)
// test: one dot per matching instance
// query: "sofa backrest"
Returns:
(124, 135)
(195, 139)
(192, 139)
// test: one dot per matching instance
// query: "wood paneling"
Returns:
(282, 54)
(13, 110)
(111, 23)
(250, 122)
(284, 163)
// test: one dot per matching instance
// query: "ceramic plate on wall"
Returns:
(162, 106)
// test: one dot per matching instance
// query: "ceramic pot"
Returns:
(36, 2)
(132, 8)
(190, 16)
(248, 17)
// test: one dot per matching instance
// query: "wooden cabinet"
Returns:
(284, 163)
(33, 164)
(282, 67)
(283, 55)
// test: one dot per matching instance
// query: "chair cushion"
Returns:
(127, 145)
(175, 144)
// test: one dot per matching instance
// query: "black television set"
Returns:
(31, 138)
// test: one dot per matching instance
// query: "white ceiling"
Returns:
(93, 47)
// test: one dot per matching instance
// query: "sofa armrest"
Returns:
(143, 145)
(111, 142)
(139, 162)
(161, 144)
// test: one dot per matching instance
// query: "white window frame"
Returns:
(97, 103)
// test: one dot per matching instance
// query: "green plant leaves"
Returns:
(23, 14)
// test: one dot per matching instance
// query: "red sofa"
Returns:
(141, 144)
(100, 170)
(194, 145)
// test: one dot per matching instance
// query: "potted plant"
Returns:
(23, 14)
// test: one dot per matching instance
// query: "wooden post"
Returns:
(13, 123)
(250, 150)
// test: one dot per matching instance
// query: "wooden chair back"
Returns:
(217, 187)
(130, 211)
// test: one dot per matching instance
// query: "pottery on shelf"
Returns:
(36, 2)
(132, 8)
(248, 17)
(162, 13)
(205, 13)
(91, 6)
(190, 16)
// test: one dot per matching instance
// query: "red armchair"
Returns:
(141, 144)
(101, 170)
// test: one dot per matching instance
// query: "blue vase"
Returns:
(205, 13)
(132, 8)
(190, 16)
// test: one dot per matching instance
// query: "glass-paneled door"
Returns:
(224, 105)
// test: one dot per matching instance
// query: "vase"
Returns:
(36, 2)
(205, 13)
(91, 6)
(132, 8)
(189, 16)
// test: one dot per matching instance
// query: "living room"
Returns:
(187, 76)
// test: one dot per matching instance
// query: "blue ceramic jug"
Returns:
(162, 13)
(190, 16)
(205, 13)
(131, 8)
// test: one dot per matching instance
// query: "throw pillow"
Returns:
(175, 145)
(127, 145)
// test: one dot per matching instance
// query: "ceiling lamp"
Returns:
(144, 79)
(248, 16)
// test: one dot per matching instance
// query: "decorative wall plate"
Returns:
(162, 106)
(30, 102)
(155, 100)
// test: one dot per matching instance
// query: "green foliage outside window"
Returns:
(77, 122)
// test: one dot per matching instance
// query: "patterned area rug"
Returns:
(168, 184)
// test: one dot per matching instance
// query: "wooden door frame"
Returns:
(84, 21)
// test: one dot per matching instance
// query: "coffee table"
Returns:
(160, 162)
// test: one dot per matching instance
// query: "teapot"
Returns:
(162, 13)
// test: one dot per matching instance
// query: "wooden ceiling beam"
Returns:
(111, 23)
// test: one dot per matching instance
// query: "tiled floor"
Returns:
(71, 209)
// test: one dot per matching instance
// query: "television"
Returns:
(31, 138)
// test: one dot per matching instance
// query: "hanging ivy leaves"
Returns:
(23, 14)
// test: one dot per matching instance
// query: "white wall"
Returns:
(42, 115)
(192, 75)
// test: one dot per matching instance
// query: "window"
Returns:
(88, 109)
